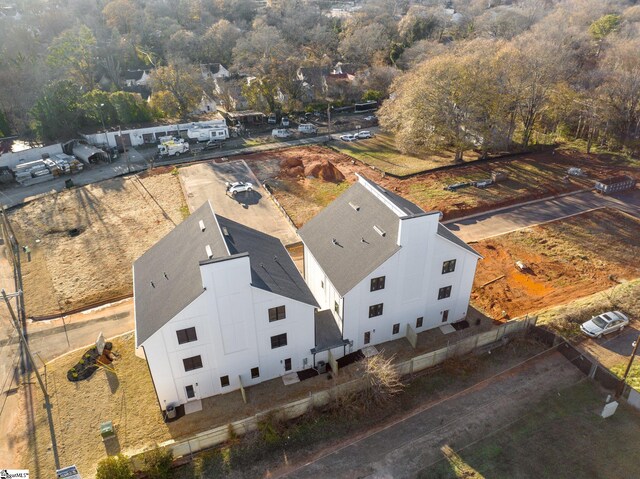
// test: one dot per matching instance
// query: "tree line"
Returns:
(458, 74)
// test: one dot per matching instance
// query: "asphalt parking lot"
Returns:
(206, 181)
(615, 348)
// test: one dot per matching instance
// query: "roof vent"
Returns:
(334, 241)
(153, 285)
(379, 230)
(165, 275)
(209, 251)
(225, 231)
(354, 206)
(202, 226)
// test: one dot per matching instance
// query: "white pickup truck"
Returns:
(173, 148)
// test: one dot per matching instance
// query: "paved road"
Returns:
(494, 223)
(408, 447)
(206, 181)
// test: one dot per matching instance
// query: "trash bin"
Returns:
(171, 411)
(68, 183)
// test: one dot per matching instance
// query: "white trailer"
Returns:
(173, 148)
(206, 133)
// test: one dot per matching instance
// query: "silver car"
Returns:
(605, 323)
(238, 187)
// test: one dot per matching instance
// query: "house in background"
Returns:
(219, 305)
(380, 265)
(213, 70)
(136, 78)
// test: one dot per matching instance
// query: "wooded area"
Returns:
(478, 74)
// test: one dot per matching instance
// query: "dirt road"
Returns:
(406, 447)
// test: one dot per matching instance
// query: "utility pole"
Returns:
(106, 138)
(633, 355)
(54, 445)
(124, 147)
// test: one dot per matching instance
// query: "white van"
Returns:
(307, 128)
(280, 133)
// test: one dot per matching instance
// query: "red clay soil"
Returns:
(531, 176)
(566, 259)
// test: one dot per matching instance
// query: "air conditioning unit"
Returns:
(321, 367)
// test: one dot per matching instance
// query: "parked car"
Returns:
(605, 323)
(348, 137)
(212, 145)
(285, 121)
(456, 186)
(372, 118)
(280, 133)
(307, 128)
(272, 120)
(483, 183)
(238, 187)
(364, 134)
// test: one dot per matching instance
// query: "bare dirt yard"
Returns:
(530, 176)
(83, 241)
(565, 259)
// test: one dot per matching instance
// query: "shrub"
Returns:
(157, 464)
(114, 467)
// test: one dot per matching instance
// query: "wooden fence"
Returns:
(292, 410)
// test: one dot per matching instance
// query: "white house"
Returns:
(136, 77)
(380, 264)
(219, 305)
(213, 70)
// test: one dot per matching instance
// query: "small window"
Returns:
(287, 364)
(336, 307)
(255, 373)
(419, 322)
(191, 393)
(276, 314)
(449, 266)
(367, 337)
(445, 315)
(224, 381)
(192, 363)
(186, 335)
(444, 292)
(278, 341)
(396, 328)
(322, 284)
(375, 310)
(377, 283)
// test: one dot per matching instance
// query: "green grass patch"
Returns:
(562, 437)
(633, 379)
(381, 153)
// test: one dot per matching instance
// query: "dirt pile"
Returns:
(324, 170)
(292, 167)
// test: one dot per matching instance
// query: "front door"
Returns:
(191, 391)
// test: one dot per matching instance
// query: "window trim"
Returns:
(276, 341)
(444, 292)
(192, 362)
(448, 266)
(186, 335)
(376, 310)
(277, 313)
(377, 283)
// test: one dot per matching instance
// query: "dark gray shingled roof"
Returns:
(451, 236)
(179, 255)
(271, 266)
(351, 259)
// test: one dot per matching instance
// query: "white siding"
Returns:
(233, 336)
(322, 288)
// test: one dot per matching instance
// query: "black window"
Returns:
(224, 381)
(186, 335)
(377, 283)
(278, 341)
(322, 284)
(276, 314)
(192, 363)
(396, 328)
(191, 393)
(444, 292)
(445, 315)
(287, 364)
(255, 373)
(375, 310)
(336, 307)
(449, 266)
(367, 337)
(419, 322)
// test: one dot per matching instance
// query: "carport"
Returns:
(89, 154)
